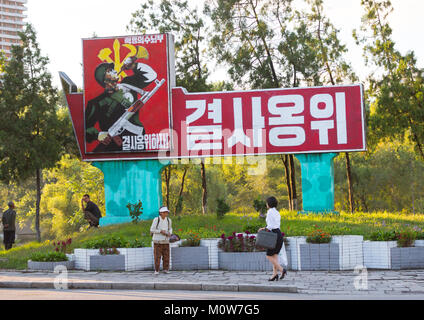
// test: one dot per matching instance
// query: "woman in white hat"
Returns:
(161, 231)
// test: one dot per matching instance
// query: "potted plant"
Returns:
(377, 250)
(406, 255)
(190, 255)
(49, 260)
(239, 253)
(318, 253)
(109, 259)
(91, 248)
(138, 255)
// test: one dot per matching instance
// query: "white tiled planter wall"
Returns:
(419, 243)
(212, 245)
(82, 260)
(138, 258)
(350, 253)
(377, 254)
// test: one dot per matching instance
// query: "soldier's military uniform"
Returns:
(107, 108)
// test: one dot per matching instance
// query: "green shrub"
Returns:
(136, 210)
(318, 236)
(191, 240)
(106, 242)
(406, 238)
(136, 243)
(108, 251)
(384, 235)
(260, 206)
(222, 208)
(52, 256)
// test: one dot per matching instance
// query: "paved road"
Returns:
(34, 294)
(313, 283)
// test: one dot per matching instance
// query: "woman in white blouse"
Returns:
(273, 220)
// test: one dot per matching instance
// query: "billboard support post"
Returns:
(129, 182)
(317, 182)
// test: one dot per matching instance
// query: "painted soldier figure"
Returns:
(107, 108)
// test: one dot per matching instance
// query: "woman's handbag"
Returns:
(266, 239)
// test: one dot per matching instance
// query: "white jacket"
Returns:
(165, 225)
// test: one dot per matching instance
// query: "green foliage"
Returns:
(260, 206)
(136, 243)
(105, 242)
(318, 236)
(384, 235)
(108, 251)
(222, 208)
(192, 239)
(136, 210)
(48, 257)
(406, 238)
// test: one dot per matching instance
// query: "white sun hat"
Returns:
(163, 209)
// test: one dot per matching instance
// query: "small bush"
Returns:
(238, 243)
(318, 236)
(106, 242)
(222, 208)
(108, 251)
(52, 256)
(136, 243)
(192, 240)
(260, 206)
(136, 210)
(406, 238)
(384, 235)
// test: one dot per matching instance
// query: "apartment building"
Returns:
(11, 21)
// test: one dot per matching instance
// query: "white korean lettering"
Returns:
(258, 122)
(341, 118)
(298, 132)
(204, 133)
(215, 111)
(322, 126)
(238, 135)
(286, 114)
(199, 105)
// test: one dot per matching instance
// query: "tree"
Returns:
(396, 85)
(29, 139)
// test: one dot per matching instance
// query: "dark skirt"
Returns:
(278, 246)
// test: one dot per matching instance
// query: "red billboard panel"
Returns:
(127, 83)
(275, 121)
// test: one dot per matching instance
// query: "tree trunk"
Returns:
(179, 205)
(204, 188)
(349, 183)
(167, 181)
(293, 182)
(37, 205)
(285, 159)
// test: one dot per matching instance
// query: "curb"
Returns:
(186, 286)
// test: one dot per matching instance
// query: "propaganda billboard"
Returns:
(271, 121)
(127, 94)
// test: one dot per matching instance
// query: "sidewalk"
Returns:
(305, 282)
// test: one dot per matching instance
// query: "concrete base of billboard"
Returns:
(317, 182)
(129, 182)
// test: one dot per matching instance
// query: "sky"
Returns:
(61, 25)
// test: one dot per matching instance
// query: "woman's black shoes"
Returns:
(273, 278)
(283, 274)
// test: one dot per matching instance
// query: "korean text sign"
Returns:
(301, 120)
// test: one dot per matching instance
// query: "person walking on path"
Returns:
(91, 211)
(161, 231)
(8, 220)
(273, 221)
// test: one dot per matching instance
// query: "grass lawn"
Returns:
(209, 226)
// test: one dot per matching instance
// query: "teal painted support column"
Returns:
(317, 182)
(131, 181)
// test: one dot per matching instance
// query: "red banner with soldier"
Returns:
(127, 94)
